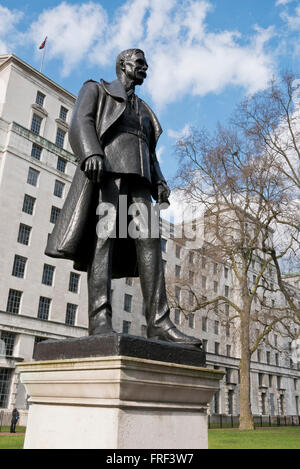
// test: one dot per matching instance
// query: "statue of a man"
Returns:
(113, 134)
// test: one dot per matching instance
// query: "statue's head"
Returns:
(133, 65)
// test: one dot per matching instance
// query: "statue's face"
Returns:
(135, 68)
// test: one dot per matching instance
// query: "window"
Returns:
(143, 309)
(204, 324)
(278, 382)
(191, 298)
(61, 165)
(227, 327)
(128, 281)
(215, 268)
(177, 316)
(24, 234)
(164, 245)
(48, 273)
(177, 293)
(228, 350)
(71, 314)
(63, 113)
(28, 204)
(203, 262)
(177, 251)
(276, 359)
(126, 327)
(192, 321)
(14, 301)
(203, 279)
(9, 340)
(270, 381)
(143, 330)
(5, 380)
(32, 177)
(58, 188)
(36, 124)
(226, 272)
(215, 287)
(259, 356)
(74, 282)
(177, 271)
(19, 266)
(216, 327)
(44, 307)
(268, 358)
(36, 151)
(55, 211)
(226, 290)
(127, 302)
(260, 379)
(217, 348)
(191, 277)
(204, 345)
(60, 137)
(191, 257)
(40, 97)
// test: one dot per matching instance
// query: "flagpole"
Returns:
(43, 58)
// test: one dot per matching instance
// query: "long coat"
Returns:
(98, 107)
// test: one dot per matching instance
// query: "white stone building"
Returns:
(44, 298)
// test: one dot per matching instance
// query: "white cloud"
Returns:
(8, 33)
(159, 153)
(282, 2)
(71, 31)
(184, 55)
(177, 134)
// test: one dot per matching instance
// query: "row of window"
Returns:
(19, 266)
(36, 152)
(32, 179)
(29, 204)
(14, 303)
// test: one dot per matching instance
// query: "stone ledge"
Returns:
(119, 345)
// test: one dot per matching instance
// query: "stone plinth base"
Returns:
(117, 402)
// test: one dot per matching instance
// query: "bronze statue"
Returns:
(113, 134)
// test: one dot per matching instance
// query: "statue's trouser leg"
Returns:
(150, 265)
(100, 268)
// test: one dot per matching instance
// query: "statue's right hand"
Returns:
(93, 168)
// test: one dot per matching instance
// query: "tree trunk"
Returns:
(246, 418)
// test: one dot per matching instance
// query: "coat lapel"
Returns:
(114, 106)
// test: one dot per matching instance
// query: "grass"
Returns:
(262, 438)
(14, 440)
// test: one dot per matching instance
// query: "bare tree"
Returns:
(244, 194)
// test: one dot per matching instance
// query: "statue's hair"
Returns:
(125, 54)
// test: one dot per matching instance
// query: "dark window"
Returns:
(61, 164)
(127, 302)
(191, 321)
(44, 307)
(19, 266)
(24, 234)
(63, 113)
(32, 177)
(55, 211)
(40, 97)
(128, 281)
(36, 151)
(60, 137)
(58, 188)
(177, 271)
(216, 328)
(143, 309)
(74, 282)
(204, 324)
(36, 124)
(71, 314)
(14, 301)
(5, 380)
(226, 290)
(28, 204)
(204, 344)
(163, 245)
(177, 316)
(177, 251)
(9, 340)
(191, 276)
(191, 298)
(177, 293)
(126, 327)
(48, 273)
(217, 348)
(191, 257)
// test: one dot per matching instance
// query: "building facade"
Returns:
(44, 298)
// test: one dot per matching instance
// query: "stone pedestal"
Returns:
(117, 401)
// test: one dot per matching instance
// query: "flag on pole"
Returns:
(43, 43)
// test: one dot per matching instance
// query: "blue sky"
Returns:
(204, 55)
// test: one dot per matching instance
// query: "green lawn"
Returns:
(262, 438)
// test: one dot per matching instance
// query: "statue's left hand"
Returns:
(163, 193)
(93, 168)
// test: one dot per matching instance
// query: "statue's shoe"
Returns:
(175, 336)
